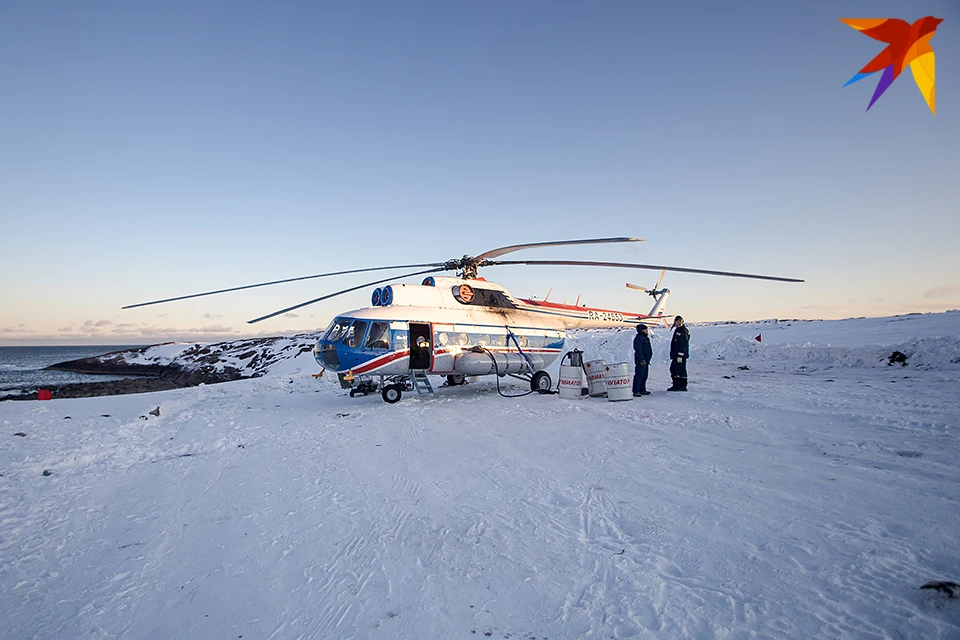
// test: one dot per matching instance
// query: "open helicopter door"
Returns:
(421, 346)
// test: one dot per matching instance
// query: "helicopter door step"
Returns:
(421, 383)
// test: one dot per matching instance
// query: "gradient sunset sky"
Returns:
(158, 149)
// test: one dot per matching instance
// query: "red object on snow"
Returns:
(44, 394)
(757, 338)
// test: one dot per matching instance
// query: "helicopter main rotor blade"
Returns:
(264, 284)
(630, 265)
(326, 297)
(496, 253)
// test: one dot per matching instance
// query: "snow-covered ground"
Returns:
(802, 488)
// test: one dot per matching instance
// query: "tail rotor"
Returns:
(659, 297)
(656, 292)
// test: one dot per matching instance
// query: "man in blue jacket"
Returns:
(642, 354)
(679, 352)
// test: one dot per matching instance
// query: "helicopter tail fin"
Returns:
(659, 309)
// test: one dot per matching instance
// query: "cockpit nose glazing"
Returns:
(343, 334)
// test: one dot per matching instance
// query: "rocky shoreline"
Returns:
(189, 365)
(144, 379)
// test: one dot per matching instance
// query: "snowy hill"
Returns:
(174, 365)
(249, 358)
(803, 487)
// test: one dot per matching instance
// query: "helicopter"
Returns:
(460, 326)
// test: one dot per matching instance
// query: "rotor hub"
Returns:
(467, 267)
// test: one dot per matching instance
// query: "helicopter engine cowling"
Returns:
(481, 364)
(411, 295)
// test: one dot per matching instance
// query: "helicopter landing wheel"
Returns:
(541, 382)
(455, 380)
(391, 393)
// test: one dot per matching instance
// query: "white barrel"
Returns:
(616, 377)
(571, 381)
(595, 373)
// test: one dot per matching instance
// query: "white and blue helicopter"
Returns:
(462, 326)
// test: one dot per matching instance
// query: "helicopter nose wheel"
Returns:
(456, 380)
(541, 382)
(391, 393)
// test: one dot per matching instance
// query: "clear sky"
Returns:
(157, 149)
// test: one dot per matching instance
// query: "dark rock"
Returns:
(155, 412)
(114, 366)
(47, 472)
(21, 434)
(171, 377)
(943, 586)
(897, 356)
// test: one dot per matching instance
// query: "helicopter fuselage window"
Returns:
(379, 337)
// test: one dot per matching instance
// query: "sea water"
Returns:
(21, 368)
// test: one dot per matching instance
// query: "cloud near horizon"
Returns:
(20, 328)
(942, 291)
(98, 323)
(106, 332)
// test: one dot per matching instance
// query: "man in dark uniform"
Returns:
(642, 354)
(679, 352)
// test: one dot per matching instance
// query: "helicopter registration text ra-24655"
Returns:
(461, 326)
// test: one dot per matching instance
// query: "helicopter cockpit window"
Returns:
(337, 328)
(379, 337)
(354, 336)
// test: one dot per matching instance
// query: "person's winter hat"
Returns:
(641, 328)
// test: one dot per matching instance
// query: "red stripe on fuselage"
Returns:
(380, 361)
